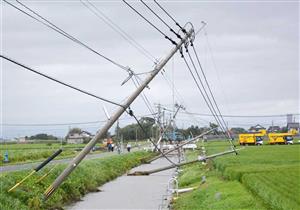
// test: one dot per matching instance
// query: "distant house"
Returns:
(256, 128)
(274, 128)
(293, 125)
(21, 140)
(79, 138)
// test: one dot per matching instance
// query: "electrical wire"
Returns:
(144, 97)
(52, 26)
(206, 94)
(215, 67)
(179, 97)
(219, 122)
(166, 37)
(130, 112)
(183, 30)
(65, 123)
(208, 85)
(100, 15)
(177, 35)
(60, 82)
(244, 116)
(197, 84)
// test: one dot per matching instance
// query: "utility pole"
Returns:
(74, 163)
(200, 159)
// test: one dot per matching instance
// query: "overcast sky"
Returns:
(249, 51)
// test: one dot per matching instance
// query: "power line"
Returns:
(51, 124)
(235, 116)
(100, 15)
(183, 30)
(177, 35)
(245, 116)
(60, 82)
(144, 97)
(211, 108)
(168, 38)
(197, 84)
(215, 66)
(207, 96)
(52, 26)
(63, 124)
(130, 112)
(178, 96)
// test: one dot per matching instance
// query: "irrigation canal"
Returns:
(131, 192)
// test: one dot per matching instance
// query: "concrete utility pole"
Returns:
(74, 163)
(200, 159)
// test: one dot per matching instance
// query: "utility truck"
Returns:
(282, 138)
(253, 138)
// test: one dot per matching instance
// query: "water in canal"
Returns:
(130, 192)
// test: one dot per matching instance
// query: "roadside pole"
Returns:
(74, 163)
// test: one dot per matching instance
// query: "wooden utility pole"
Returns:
(75, 162)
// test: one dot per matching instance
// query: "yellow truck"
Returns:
(255, 138)
(282, 138)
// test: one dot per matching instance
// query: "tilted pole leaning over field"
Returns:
(200, 159)
(74, 163)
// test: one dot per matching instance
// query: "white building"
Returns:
(78, 138)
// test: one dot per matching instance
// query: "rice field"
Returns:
(268, 176)
(24, 153)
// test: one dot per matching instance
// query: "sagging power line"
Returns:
(204, 94)
(108, 21)
(60, 82)
(59, 30)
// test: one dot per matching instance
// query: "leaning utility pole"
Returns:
(74, 163)
(200, 159)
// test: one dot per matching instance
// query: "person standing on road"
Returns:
(128, 147)
(112, 147)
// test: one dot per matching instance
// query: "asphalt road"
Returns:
(33, 165)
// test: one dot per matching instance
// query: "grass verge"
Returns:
(86, 178)
(215, 193)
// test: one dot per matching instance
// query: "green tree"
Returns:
(42, 136)
(238, 130)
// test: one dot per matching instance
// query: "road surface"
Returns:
(33, 165)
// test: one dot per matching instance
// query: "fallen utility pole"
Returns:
(75, 162)
(181, 145)
(39, 167)
(200, 159)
